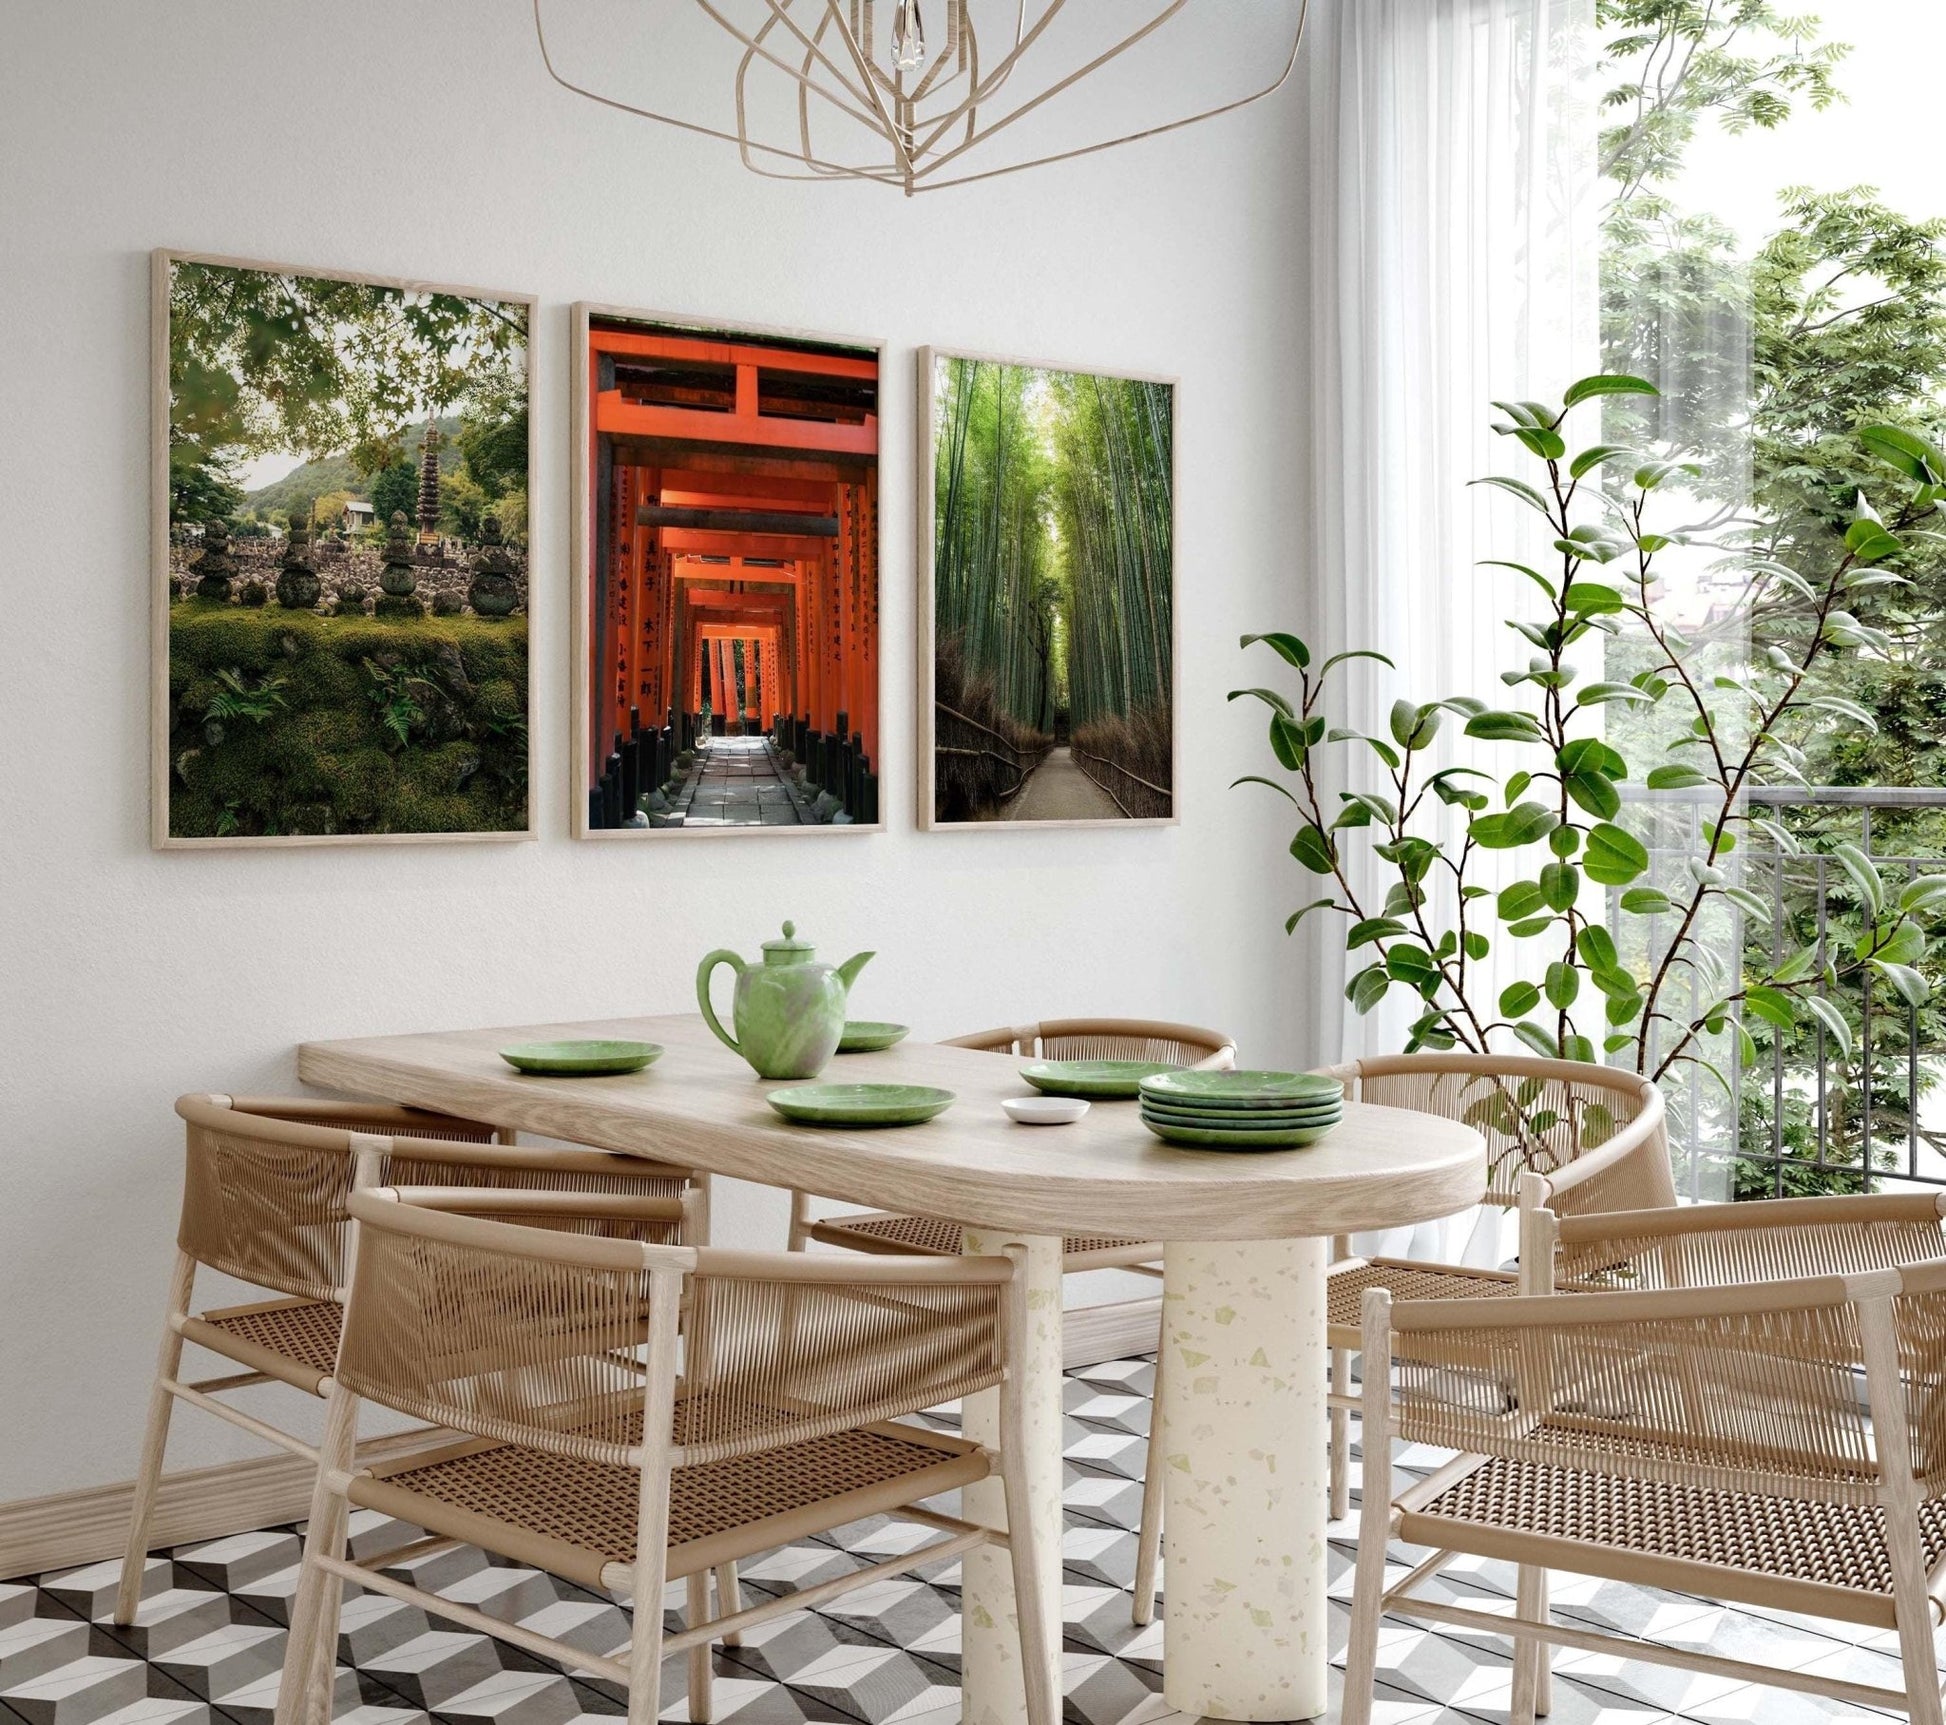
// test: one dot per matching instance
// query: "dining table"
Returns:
(1243, 1238)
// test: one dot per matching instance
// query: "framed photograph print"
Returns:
(339, 581)
(1047, 615)
(726, 592)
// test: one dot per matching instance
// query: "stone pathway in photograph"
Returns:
(1058, 790)
(209, 1640)
(739, 786)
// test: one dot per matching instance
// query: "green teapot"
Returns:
(789, 1011)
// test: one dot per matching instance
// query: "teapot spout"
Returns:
(848, 971)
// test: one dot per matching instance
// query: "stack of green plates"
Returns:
(1241, 1110)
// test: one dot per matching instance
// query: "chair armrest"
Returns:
(542, 1162)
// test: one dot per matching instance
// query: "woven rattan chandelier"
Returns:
(905, 92)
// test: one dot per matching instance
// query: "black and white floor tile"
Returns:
(209, 1640)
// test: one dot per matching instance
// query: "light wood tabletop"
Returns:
(701, 1106)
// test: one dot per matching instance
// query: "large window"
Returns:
(1774, 258)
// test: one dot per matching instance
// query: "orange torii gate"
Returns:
(736, 499)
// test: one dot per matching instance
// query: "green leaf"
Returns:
(1560, 885)
(1771, 1004)
(1477, 945)
(1833, 1021)
(1371, 929)
(1518, 998)
(1607, 383)
(1529, 927)
(1518, 488)
(1314, 849)
(1537, 1039)
(1414, 726)
(1676, 778)
(1592, 599)
(1864, 875)
(1615, 857)
(1255, 779)
(1297, 916)
(1926, 893)
(1287, 742)
(1500, 727)
(1591, 755)
(1596, 694)
(1522, 824)
(1288, 648)
(1578, 1048)
(1564, 841)
(1354, 653)
(1411, 964)
(1798, 966)
(1589, 459)
(1912, 455)
(1563, 984)
(1647, 901)
(1906, 944)
(1594, 792)
(1596, 947)
(1524, 898)
(1906, 982)
(1748, 902)
(1270, 698)
(1368, 988)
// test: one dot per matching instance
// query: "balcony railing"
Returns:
(1808, 1116)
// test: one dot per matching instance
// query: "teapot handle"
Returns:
(721, 956)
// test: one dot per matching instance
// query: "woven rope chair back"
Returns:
(536, 1337)
(1538, 1115)
(266, 1181)
(1756, 1393)
(1108, 1039)
(526, 1335)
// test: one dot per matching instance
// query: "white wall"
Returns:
(423, 140)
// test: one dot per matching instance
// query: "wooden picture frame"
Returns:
(163, 759)
(1137, 802)
(854, 584)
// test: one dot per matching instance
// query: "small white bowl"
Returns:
(1045, 1110)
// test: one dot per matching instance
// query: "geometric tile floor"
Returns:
(210, 1640)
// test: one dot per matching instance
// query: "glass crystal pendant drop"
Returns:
(908, 37)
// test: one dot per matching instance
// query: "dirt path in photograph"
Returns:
(1058, 790)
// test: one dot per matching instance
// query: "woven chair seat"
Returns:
(1345, 1291)
(925, 1236)
(577, 1517)
(294, 1341)
(1760, 1549)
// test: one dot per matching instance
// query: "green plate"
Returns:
(1243, 1090)
(581, 1059)
(860, 1104)
(1211, 1138)
(1094, 1078)
(864, 1038)
(1233, 1119)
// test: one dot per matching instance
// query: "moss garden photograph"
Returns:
(340, 583)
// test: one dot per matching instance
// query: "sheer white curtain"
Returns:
(1453, 216)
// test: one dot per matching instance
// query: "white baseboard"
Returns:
(76, 1527)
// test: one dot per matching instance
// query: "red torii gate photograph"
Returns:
(727, 611)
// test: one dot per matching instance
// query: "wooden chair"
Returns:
(1596, 1138)
(264, 1201)
(884, 1231)
(1702, 1431)
(593, 1452)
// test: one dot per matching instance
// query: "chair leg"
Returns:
(311, 1646)
(155, 1439)
(697, 1611)
(1921, 1665)
(1148, 1532)
(1533, 1658)
(1340, 1436)
(1036, 1656)
(645, 1636)
(729, 1599)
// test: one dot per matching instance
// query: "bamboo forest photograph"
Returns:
(342, 546)
(1052, 594)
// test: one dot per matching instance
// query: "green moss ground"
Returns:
(325, 760)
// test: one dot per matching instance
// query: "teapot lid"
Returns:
(788, 944)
